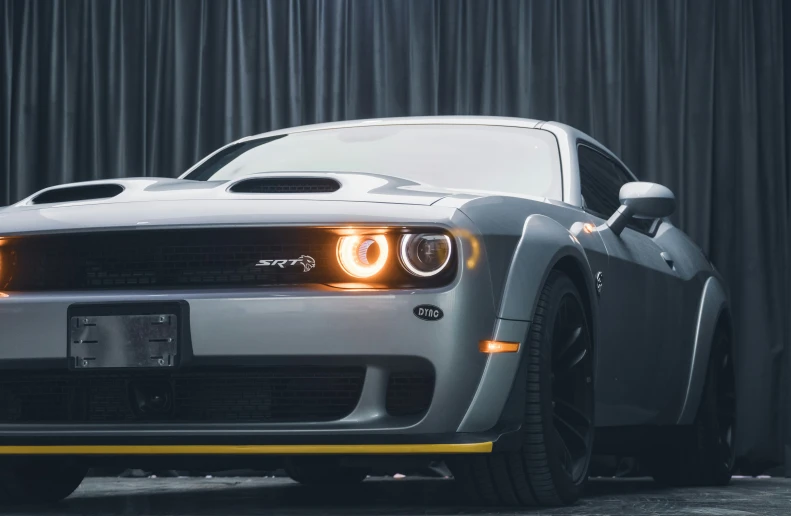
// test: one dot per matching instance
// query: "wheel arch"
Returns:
(545, 246)
(713, 314)
(571, 267)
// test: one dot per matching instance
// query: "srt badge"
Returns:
(306, 261)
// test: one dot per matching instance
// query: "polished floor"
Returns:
(247, 496)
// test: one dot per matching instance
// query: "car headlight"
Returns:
(362, 256)
(425, 254)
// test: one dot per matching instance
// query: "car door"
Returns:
(638, 307)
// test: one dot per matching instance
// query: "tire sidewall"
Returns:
(561, 285)
(707, 423)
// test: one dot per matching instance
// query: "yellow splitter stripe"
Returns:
(266, 449)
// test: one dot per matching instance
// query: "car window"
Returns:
(601, 180)
(476, 158)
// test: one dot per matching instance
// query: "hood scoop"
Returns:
(77, 193)
(286, 185)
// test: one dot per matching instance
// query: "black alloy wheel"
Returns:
(572, 396)
(705, 452)
(726, 409)
(551, 467)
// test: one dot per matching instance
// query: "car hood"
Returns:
(151, 202)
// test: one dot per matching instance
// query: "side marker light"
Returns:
(495, 346)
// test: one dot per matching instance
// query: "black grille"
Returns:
(409, 393)
(281, 394)
(186, 258)
(277, 185)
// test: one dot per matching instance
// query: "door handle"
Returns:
(668, 260)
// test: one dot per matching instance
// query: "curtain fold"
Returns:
(693, 94)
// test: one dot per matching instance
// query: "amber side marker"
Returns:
(264, 449)
(495, 346)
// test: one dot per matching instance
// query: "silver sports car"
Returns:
(350, 298)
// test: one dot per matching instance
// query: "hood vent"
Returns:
(284, 185)
(78, 193)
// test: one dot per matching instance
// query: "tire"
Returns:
(551, 468)
(705, 455)
(40, 480)
(323, 472)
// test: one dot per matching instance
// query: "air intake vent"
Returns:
(277, 185)
(78, 193)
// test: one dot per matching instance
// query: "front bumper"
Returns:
(307, 325)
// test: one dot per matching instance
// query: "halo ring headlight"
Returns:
(425, 254)
(362, 256)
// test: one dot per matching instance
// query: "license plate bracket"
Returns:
(123, 341)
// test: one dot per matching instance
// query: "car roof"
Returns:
(407, 120)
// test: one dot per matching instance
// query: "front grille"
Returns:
(189, 259)
(409, 394)
(264, 395)
(170, 259)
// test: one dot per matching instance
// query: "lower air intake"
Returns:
(409, 394)
(262, 395)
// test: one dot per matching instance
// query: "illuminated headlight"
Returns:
(362, 256)
(425, 254)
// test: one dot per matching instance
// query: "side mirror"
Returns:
(643, 200)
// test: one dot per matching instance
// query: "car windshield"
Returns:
(460, 157)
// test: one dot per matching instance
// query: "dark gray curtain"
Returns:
(692, 94)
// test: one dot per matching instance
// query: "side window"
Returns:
(600, 181)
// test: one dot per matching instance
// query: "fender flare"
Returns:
(543, 244)
(713, 303)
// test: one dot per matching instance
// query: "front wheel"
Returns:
(39, 480)
(551, 468)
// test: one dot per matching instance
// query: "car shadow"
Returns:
(240, 496)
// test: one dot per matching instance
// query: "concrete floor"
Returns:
(247, 496)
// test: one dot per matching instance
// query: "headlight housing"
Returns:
(394, 257)
(425, 254)
(362, 256)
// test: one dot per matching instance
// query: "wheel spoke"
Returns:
(565, 367)
(568, 460)
(571, 436)
(571, 375)
(572, 414)
(567, 343)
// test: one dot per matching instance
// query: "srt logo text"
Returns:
(306, 261)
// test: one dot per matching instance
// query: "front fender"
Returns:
(544, 243)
